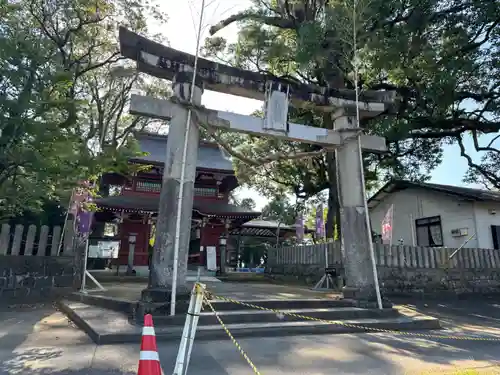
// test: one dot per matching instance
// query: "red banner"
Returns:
(387, 226)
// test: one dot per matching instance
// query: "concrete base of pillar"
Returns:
(364, 298)
(159, 294)
(220, 272)
(156, 301)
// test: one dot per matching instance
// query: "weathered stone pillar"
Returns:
(132, 237)
(163, 255)
(360, 283)
(223, 253)
(203, 250)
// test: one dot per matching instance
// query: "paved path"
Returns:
(464, 316)
(244, 291)
(40, 341)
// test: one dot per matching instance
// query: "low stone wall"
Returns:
(400, 281)
(307, 273)
(33, 279)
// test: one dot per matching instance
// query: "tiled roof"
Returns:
(266, 228)
(467, 193)
(271, 224)
(210, 156)
(150, 203)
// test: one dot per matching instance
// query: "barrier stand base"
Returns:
(325, 283)
(100, 288)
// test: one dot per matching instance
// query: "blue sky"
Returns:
(181, 34)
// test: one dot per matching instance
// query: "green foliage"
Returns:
(252, 249)
(280, 209)
(248, 203)
(442, 59)
(310, 222)
(62, 110)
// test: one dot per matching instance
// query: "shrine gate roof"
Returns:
(210, 156)
(266, 228)
(150, 203)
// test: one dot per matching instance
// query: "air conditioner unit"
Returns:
(459, 232)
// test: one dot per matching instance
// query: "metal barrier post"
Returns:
(86, 273)
(200, 293)
(188, 333)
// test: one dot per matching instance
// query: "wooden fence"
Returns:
(33, 240)
(389, 256)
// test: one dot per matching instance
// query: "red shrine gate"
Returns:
(136, 201)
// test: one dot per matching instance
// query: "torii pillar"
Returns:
(354, 220)
(161, 279)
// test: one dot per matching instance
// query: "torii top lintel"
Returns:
(164, 62)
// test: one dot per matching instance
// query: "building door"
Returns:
(194, 252)
(495, 235)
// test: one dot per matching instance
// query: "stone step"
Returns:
(243, 312)
(280, 304)
(308, 327)
(263, 316)
(331, 309)
(115, 304)
(105, 326)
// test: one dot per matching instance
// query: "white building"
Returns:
(438, 215)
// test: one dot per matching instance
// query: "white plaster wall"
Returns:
(405, 205)
(412, 204)
(455, 213)
(484, 222)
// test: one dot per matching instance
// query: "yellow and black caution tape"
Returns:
(238, 346)
(349, 325)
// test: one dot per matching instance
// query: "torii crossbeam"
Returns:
(164, 62)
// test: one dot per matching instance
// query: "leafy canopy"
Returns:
(441, 57)
(62, 109)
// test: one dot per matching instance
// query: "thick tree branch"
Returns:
(492, 178)
(247, 16)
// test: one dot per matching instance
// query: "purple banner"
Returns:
(320, 224)
(299, 228)
(84, 217)
(84, 221)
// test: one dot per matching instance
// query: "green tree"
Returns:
(61, 110)
(248, 203)
(280, 209)
(442, 59)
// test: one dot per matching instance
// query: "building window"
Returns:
(148, 186)
(495, 234)
(205, 192)
(429, 231)
(145, 186)
(110, 229)
(115, 190)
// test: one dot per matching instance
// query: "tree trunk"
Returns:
(333, 215)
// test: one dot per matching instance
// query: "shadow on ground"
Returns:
(361, 354)
(41, 342)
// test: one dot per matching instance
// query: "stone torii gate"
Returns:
(164, 62)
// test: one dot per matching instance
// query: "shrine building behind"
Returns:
(131, 202)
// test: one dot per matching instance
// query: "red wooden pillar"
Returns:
(140, 231)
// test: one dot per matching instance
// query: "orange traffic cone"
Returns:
(149, 361)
